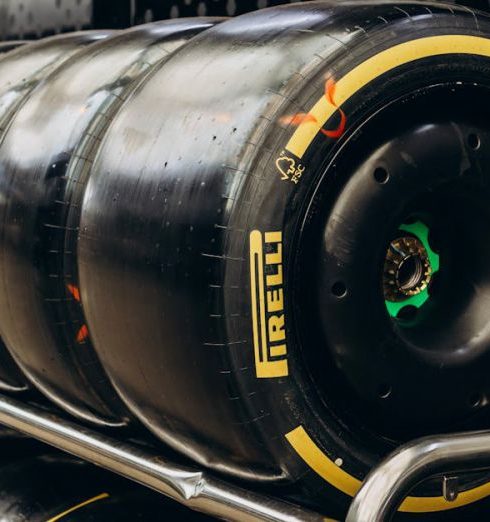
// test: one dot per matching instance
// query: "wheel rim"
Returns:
(372, 374)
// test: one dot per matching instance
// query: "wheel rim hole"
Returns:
(381, 175)
(407, 313)
(384, 391)
(475, 400)
(474, 141)
(339, 289)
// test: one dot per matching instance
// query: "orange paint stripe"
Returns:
(82, 334)
(306, 117)
(74, 291)
(330, 87)
(297, 119)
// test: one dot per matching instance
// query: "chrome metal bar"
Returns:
(195, 489)
(389, 483)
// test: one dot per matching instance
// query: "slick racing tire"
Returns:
(63, 121)
(283, 256)
(21, 69)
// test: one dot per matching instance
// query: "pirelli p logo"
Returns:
(267, 293)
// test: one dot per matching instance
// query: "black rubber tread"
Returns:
(169, 206)
(68, 114)
(20, 71)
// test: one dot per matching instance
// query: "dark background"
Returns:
(28, 19)
(21, 19)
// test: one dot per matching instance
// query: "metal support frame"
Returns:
(390, 482)
(195, 489)
(377, 500)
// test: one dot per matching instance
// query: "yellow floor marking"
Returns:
(79, 506)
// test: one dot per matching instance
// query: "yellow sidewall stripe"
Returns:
(374, 67)
(79, 506)
(343, 481)
(299, 142)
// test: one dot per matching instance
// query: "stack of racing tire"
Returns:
(263, 238)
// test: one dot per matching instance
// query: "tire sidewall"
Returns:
(269, 204)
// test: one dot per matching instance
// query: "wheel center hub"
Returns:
(409, 266)
(407, 270)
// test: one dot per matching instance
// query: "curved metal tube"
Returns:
(389, 483)
(192, 488)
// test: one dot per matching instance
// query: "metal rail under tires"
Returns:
(192, 488)
(377, 500)
(390, 482)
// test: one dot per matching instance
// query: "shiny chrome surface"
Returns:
(390, 482)
(63, 123)
(153, 233)
(24, 68)
(190, 487)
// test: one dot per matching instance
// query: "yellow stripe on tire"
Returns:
(376, 66)
(340, 479)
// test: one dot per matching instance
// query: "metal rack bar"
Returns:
(377, 500)
(195, 489)
(389, 483)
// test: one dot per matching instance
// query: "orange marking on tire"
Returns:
(330, 86)
(74, 291)
(302, 117)
(82, 334)
(298, 119)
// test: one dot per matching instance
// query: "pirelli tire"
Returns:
(45, 153)
(234, 229)
(23, 67)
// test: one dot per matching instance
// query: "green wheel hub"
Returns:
(409, 268)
